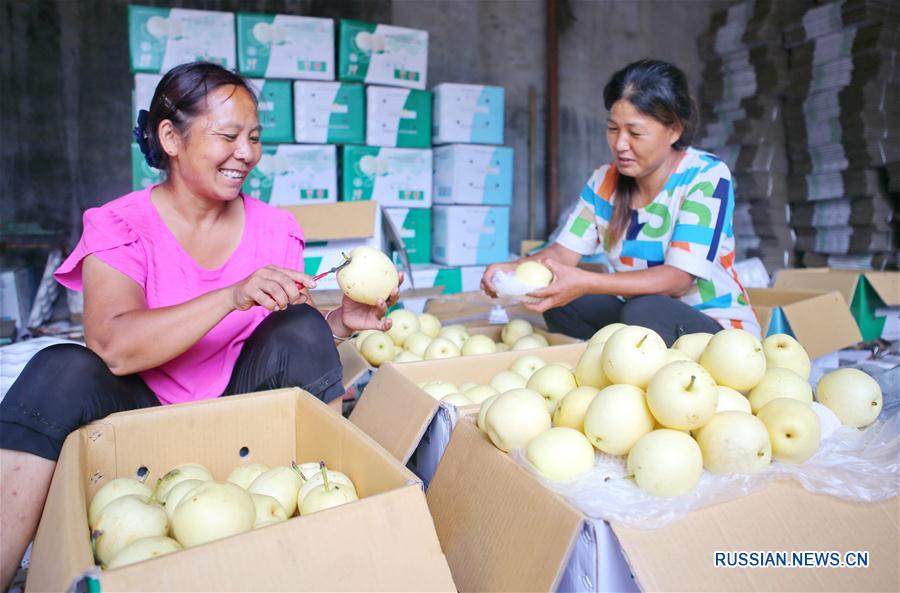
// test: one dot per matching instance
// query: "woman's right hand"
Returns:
(272, 287)
(487, 280)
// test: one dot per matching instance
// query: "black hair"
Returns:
(180, 96)
(657, 89)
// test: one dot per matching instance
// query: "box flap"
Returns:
(381, 543)
(844, 281)
(501, 529)
(803, 312)
(340, 220)
(394, 412)
(887, 285)
(353, 364)
(783, 517)
(62, 547)
(475, 308)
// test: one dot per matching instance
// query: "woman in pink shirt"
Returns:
(191, 292)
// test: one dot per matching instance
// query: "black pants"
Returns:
(665, 315)
(66, 386)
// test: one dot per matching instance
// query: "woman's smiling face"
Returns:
(221, 146)
(639, 143)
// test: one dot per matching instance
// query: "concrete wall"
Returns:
(65, 105)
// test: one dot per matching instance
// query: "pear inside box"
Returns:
(383, 541)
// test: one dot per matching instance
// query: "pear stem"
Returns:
(324, 475)
(639, 344)
(153, 494)
(691, 384)
(297, 469)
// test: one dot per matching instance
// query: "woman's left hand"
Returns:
(358, 316)
(569, 283)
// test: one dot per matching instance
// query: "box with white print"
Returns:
(473, 174)
(382, 54)
(393, 177)
(470, 235)
(285, 46)
(161, 38)
(398, 118)
(394, 547)
(329, 112)
(468, 113)
(294, 174)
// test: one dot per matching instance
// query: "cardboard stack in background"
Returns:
(745, 75)
(843, 130)
(472, 175)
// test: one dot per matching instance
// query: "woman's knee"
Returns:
(301, 326)
(640, 308)
(50, 393)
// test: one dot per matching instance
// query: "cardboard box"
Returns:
(276, 110)
(161, 38)
(819, 320)
(396, 412)
(473, 307)
(867, 292)
(142, 174)
(393, 177)
(326, 241)
(142, 95)
(468, 113)
(414, 225)
(454, 279)
(285, 46)
(472, 174)
(393, 542)
(329, 112)
(293, 174)
(487, 506)
(399, 118)
(470, 235)
(382, 54)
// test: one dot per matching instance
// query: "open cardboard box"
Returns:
(356, 367)
(502, 530)
(820, 321)
(867, 293)
(397, 413)
(383, 542)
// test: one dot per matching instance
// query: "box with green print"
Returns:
(414, 226)
(473, 174)
(393, 177)
(275, 109)
(142, 174)
(468, 113)
(398, 118)
(382, 54)
(470, 235)
(329, 112)
(290, 174)
(161, 38)
(285, 46)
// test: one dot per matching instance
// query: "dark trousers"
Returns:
(66, 386)
(667, 316)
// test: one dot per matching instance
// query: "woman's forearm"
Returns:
(664, 280)
(143, 339)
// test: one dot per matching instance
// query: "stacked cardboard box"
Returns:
(843, 129)
(472, 175)
(745, 76)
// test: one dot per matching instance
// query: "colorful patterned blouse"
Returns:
(687, 226)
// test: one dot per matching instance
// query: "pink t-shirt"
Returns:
(129, 235)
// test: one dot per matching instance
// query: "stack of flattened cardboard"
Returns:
(843, 121)
(745, 76)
